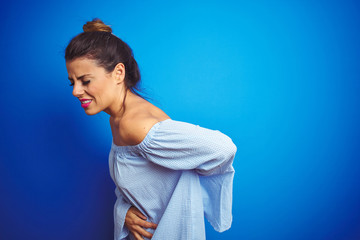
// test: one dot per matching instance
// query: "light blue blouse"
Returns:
(177, 175)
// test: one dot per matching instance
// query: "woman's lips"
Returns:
(85, 102)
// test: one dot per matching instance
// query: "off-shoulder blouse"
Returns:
(178, 174)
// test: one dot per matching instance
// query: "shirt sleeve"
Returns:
(120, 209)
(183, 146)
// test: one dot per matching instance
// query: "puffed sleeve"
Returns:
(183, 146)
(120, 209)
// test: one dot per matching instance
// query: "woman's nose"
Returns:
(77, 90)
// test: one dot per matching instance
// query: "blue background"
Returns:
(281, 78)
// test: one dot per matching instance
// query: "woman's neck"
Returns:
(123, 106)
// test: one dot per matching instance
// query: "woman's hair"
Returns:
(98, 43)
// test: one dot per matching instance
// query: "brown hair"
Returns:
(98, 43)
(96, 25)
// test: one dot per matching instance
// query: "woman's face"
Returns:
(96, 89)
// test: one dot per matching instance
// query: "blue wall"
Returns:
(281, 78)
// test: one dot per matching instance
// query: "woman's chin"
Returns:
(91, 112)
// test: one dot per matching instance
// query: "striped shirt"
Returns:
(178, 174)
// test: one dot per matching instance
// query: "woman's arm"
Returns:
(179, 145)
(183, 146)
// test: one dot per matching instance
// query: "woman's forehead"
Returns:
(82, 66)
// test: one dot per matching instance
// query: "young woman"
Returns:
(168, 174)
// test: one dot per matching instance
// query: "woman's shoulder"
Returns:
(137, 123)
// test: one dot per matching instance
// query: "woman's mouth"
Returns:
(85, 102)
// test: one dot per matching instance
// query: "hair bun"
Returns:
(96, 25)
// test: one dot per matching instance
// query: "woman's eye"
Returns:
(71, 84)
(86, 82)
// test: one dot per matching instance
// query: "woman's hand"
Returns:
(135, 222)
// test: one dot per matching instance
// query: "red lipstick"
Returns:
(85, 102)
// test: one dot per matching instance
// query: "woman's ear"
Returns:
(119, 73)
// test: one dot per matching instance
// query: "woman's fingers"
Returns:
(136, 222)
(143, 232)
(138, 213)
(137, 236)
(141, 219)
(146, 224)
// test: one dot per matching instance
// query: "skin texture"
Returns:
(106, 90)
(129, 127)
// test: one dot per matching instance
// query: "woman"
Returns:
(168, 174)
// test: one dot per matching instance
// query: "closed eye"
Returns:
(84, 83)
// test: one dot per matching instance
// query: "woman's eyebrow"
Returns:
(80, 78)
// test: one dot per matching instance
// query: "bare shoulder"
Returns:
(134, 131)
(135, 126)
